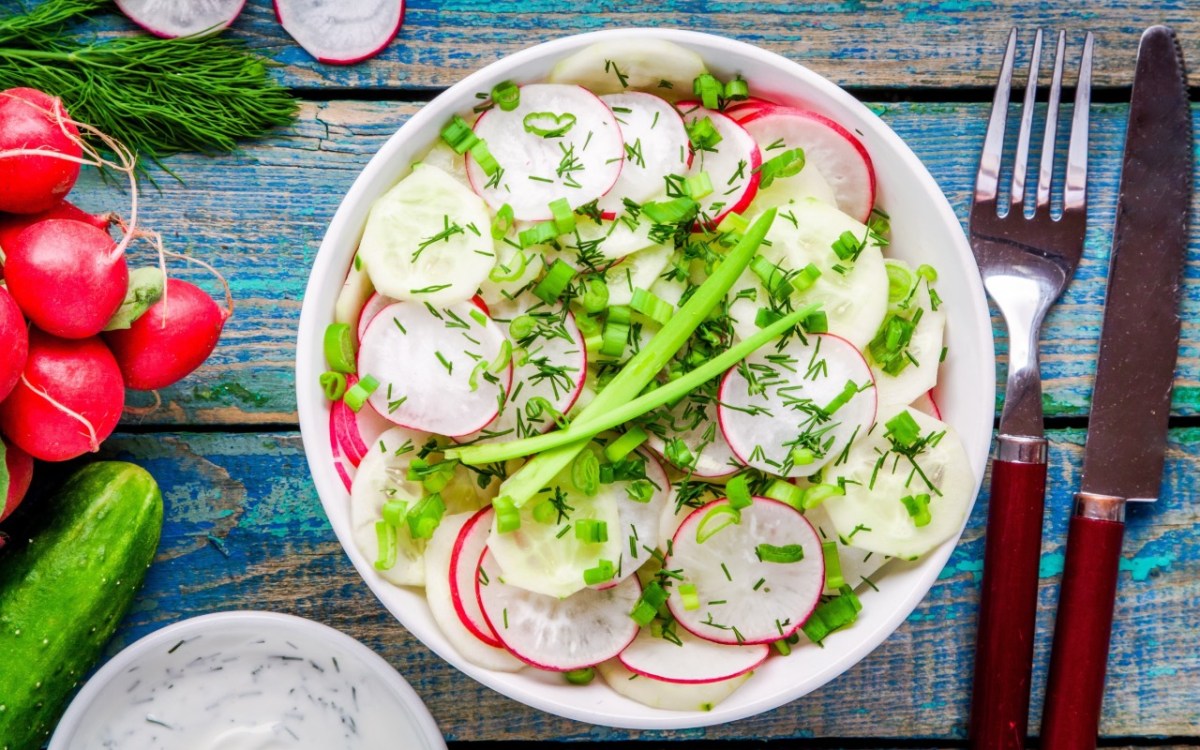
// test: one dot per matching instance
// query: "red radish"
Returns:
(11, 226)
(692, 661)
(173, 337)
(927, 405)
(747, 108)
(731, 163)
(68, 400)
(747, 594)
(840, 157)
(464, 570)
(656, 145)
(31, 121)
(173, 18)
(15, 336)
(67, 276)
(584, 629)
(19, 466)
(353, 433)
(338, 32)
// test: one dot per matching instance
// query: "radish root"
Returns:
(145, 411)
(93, 442)
(213, 271)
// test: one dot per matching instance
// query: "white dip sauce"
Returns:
(241, 690)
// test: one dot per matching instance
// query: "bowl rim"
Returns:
(314, 431)
(418, 714)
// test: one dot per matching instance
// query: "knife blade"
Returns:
(1131, 400)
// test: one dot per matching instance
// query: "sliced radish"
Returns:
(836, 153)
(656, 145)
(439, 579)
(560, 141)
(425, 358)
(370, 309)
(694, 421)
(341, 33)
(693, 660)
(356, 433)
(615, 65)
(464, 572)
(671, 696)
(639, 520)
(744, 597)
(172, 18)
(346, 471)
(596, 245)
(636, 271)
(558, 634)
(732, 164)
(926, 405)
(774, 407)
(857, 564)
(748, 108)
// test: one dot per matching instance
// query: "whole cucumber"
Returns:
(65, 586)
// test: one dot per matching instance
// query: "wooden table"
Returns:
(245, 529)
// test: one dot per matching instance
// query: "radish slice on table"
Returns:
(558, 634)
(857, 565)
(757, 580)
(694, 422)
(560, 141)
(656, 145)
(356, 433)
(444, 370)
(914, 369)
(731, 163)
(615, 65)
(672, 696)
(828, 146)
(464, 572)
(439, 574)
(693, 660)
(791, 411)
(910, 469)
(338, 32)
(172, 18)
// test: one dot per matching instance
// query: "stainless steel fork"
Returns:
(1026, 262)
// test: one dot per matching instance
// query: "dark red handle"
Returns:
(1078, 659)
(1008, 607)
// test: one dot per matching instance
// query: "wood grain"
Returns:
(244, 529)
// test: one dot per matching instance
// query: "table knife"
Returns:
(1131, 401)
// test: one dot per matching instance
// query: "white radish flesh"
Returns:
(637, 271)
(560, 141)
(731, 164)
(424, 357)
(370, 309)
(786, 411)
(670, 696)
(656, 145)
(694, 421)
(745, 598)
(338, 32)
(639, 520)
(355, 433)
(615, 65)
(833, 150)
(558, 634)
(174, 18)
(691, 661)
(464, 563)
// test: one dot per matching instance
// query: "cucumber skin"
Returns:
(63, 592)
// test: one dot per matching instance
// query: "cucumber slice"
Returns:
(448, 160)
(656, 145)
(690, 661)
(516, 269)
(871, 515)
(732, 165)
(858, 565)
(639, 270)
(428, 239)
(612, 66)
(639, 520)
(924, 350)
(671, 696)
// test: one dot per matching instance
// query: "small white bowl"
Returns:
(924, 230)
(166, 681)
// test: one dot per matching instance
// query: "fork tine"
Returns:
(1022, 161)
(1046, 171)
(1075, 190)
(987, 181)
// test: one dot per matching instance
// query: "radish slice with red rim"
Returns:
(694, 422)
(639, 520)
(338, 32)
(731, 163)
(671, 696)
(926, 405)
(840, 157)
(464, 572)
(748, 108)
(584, 629)
(791, 411)
(442, 370)
(757, 580)
(560, 141)
(174, 18)
(355, 432)
(656, 145)
(374, 304)
(690, 661)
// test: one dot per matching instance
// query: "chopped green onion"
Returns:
(903, 430)
(503, 222)
(564, 215)
(508, 518)
(737, 89)
(715, 519)
(340, 348)
(580, 676)
(333, 384)
(506, 95)
(643, 614)
(900, 282)
(737, 490)
(786, 164)
(458, 135)
(709, 89)
(616, 331)
(819, 493)
(357, 394)
(386, 537)
(888, 346)
(785, 492)
(678, 453)
(818, 322)
(673, 211)
(703, 134)
(626, 444)
(538, 234)
(394, 512)
(927, 272)
(849, 391)
(918, 508)
(787, 553)
(483, 156)
(539, 405)
(595, 295)
(652, 306)
(766, 316)
(782, 647)
(591, 531)
(687, 593)
(805, 278)
(424, 517)
(831, 615)
(802, 456)
(539, 123)
(772, 277)
(501, 273)
(847, 246)
(640, 491)
(733, 224)
(545, 513)
(602, 573)
(555, 282)
(833, 566)
(521, 326)
(585, 473)
(698, 186)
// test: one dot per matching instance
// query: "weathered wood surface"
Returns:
(244, 529)
(260, 216)
(863, 43)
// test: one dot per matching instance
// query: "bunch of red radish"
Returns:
(63, 278)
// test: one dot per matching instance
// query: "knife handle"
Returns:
(1008, 602)
(1075, 690)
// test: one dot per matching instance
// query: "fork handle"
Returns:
(1008, 603)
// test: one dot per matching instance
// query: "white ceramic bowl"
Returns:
(334, 675)
(924, 230)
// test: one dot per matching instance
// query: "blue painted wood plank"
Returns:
(244, 529)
